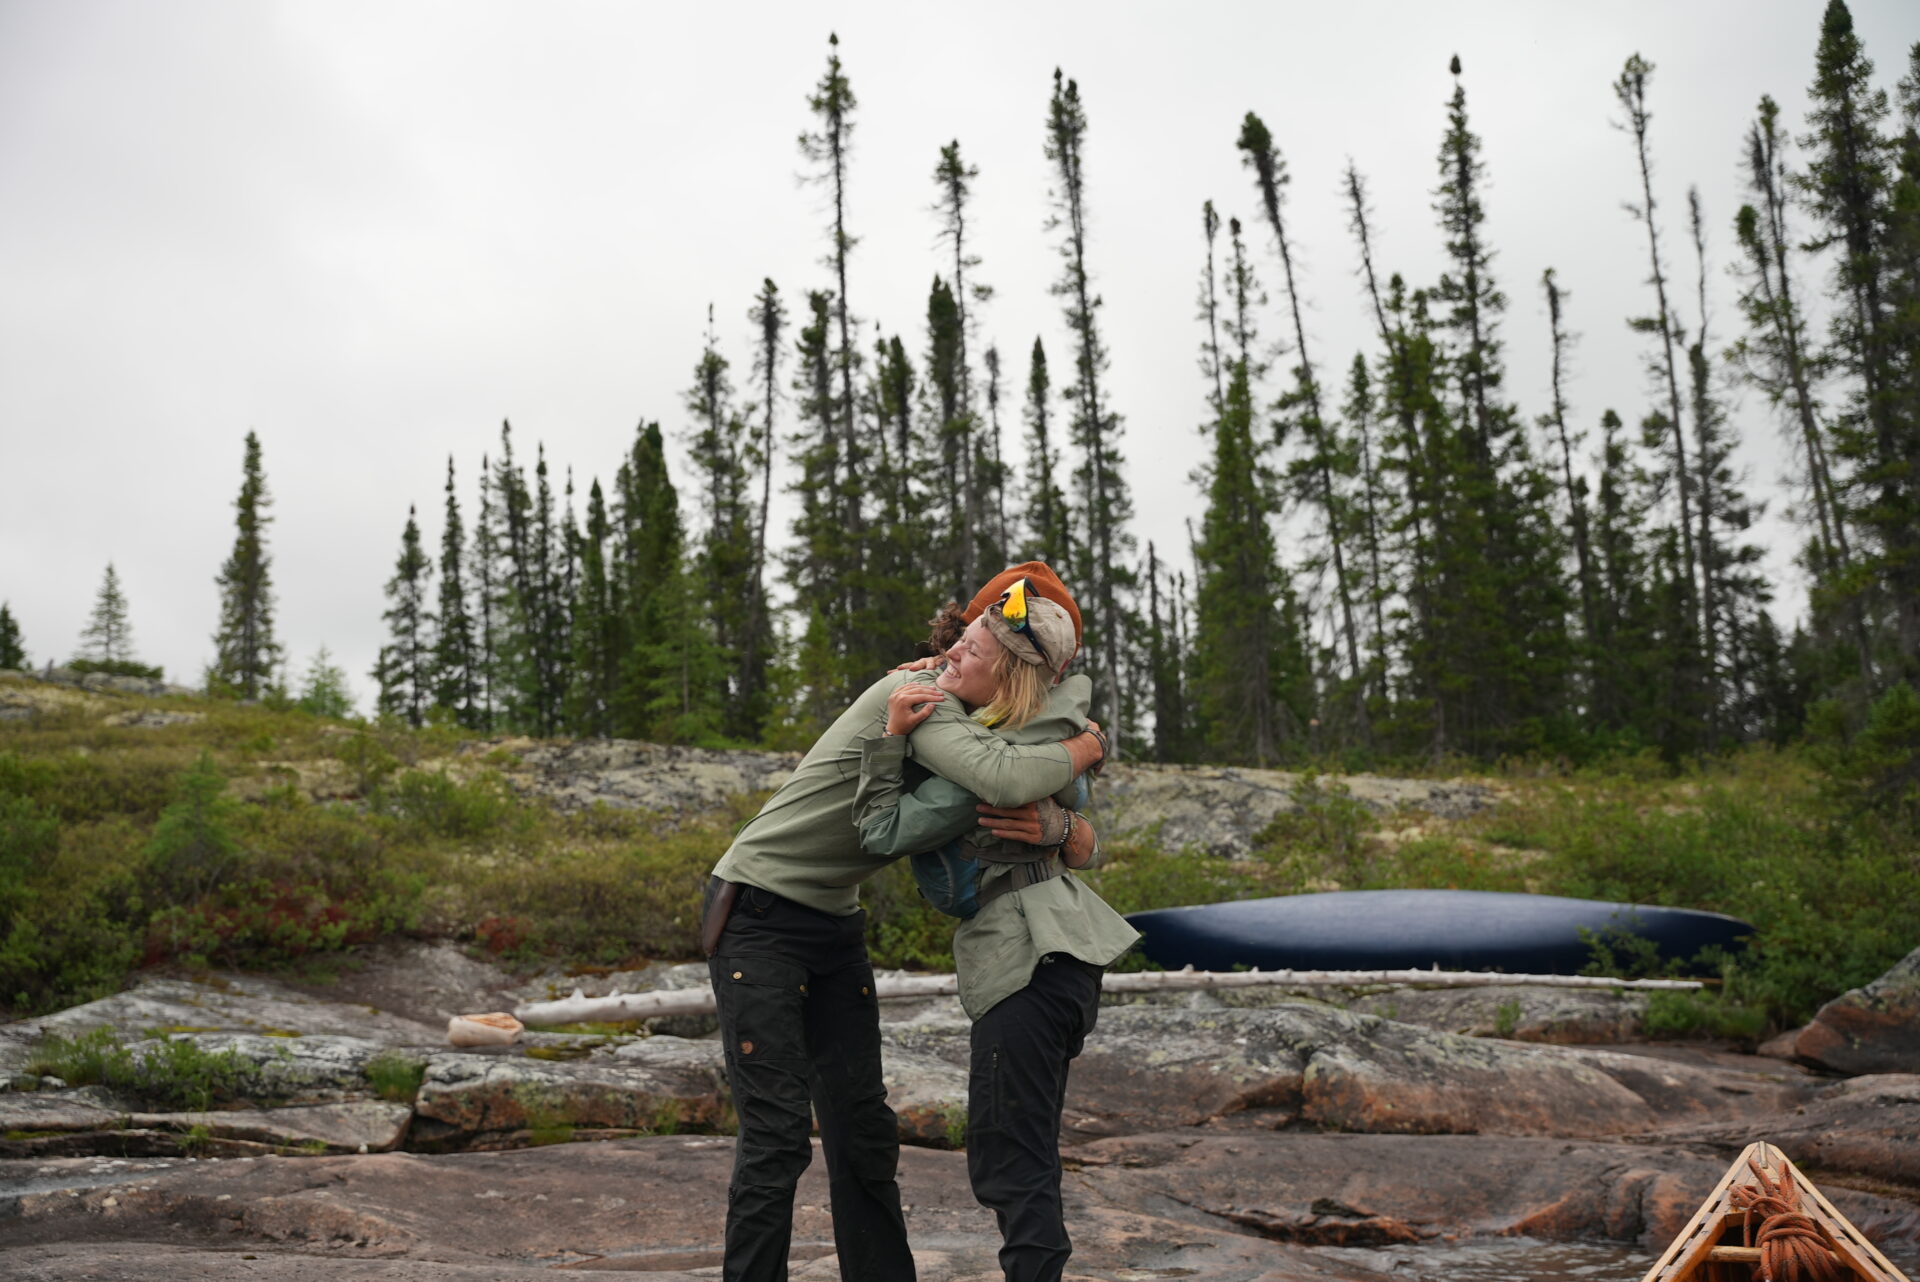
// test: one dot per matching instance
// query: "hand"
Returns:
(911, 704)
(919, 665)
(1081, 844)
(1087, 750)
(1013, 823)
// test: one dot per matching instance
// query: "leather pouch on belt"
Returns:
(719, 907)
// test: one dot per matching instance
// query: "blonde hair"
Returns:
(1020, 692)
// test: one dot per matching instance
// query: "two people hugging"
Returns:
(986, 745)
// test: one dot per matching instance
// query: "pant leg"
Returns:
(800, 1028)
(859, 1134)
(759, 977)
(1016, 1091)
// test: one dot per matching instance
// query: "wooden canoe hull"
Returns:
(1712, 1247)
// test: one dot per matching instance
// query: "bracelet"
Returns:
(1066, 837)
(1106, 749)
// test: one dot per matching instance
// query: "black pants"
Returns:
(1015, 1094)
(801, 1028)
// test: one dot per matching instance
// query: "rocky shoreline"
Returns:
(1236, 1136)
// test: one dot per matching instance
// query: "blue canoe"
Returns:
(1420, 929)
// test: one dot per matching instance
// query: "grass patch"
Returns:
(175, 1074)
(396, 1076)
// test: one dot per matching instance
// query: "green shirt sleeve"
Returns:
(962, 751)
(894, 820)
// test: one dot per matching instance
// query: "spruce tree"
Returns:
(997, 542)
(1620, 698)
(484, 558)
(456, 658)
(595, 629)
(1238, 639)
(1631, 91)
(1315, 473)
(670, 678)
(13, 653)
(828, 149)
(984, 543)
(953, 431)
(1373, 512)
(1847, 187)
(1102, 576)
(769, 319)
(1166, 665)
(551, 577)
(1573, 487)
(246, 654)
(324, 691)
(1501, 655)
(1775, 356)
(1209, 303)
(1048, 520)
(818, 552)
(405, 668)
(723, 459)
(107, 640)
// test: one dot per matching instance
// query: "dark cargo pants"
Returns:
(1016, 1091)
(801, 1027)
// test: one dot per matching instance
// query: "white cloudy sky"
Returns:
(370, 231)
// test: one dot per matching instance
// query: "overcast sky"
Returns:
(371, 231)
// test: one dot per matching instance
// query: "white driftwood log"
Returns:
(580, 1008)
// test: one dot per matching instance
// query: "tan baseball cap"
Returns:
(1037, 630)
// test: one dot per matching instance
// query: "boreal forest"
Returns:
(1388, 557)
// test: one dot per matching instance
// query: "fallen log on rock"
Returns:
(699, 1001)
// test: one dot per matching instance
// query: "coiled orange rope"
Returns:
(1792, 1248)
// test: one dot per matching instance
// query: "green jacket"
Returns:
(803, 844)
(902, 809)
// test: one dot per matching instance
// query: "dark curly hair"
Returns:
(946, 627)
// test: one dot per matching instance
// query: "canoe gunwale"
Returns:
(1688, 1257)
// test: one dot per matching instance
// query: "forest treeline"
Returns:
(1469, 578)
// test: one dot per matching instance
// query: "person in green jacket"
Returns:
(1030, 960)
(785, 939)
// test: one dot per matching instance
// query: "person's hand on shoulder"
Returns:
(925, 663)
(910, 704)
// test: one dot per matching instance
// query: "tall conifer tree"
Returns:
(13, 653)
(1847, 187)
(596, 633)
(1322, 458)
(246, 655)
(1631, 91)
(828, 149)
(108, 637)
(1048, 521)
(456, 660)
(405, 669)
(1104, 580)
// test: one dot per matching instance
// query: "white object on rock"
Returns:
(699, 1001)
(496, 1028)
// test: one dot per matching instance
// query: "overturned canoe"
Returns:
(1409, 929)
(1766, 1220)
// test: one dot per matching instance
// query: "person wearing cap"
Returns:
(1030, 960)
(785, 939)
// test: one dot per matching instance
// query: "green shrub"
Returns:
(434, 803)
(66, 928)
(193, 848)
(595, 901)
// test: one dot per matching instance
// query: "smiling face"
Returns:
(971, 665)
